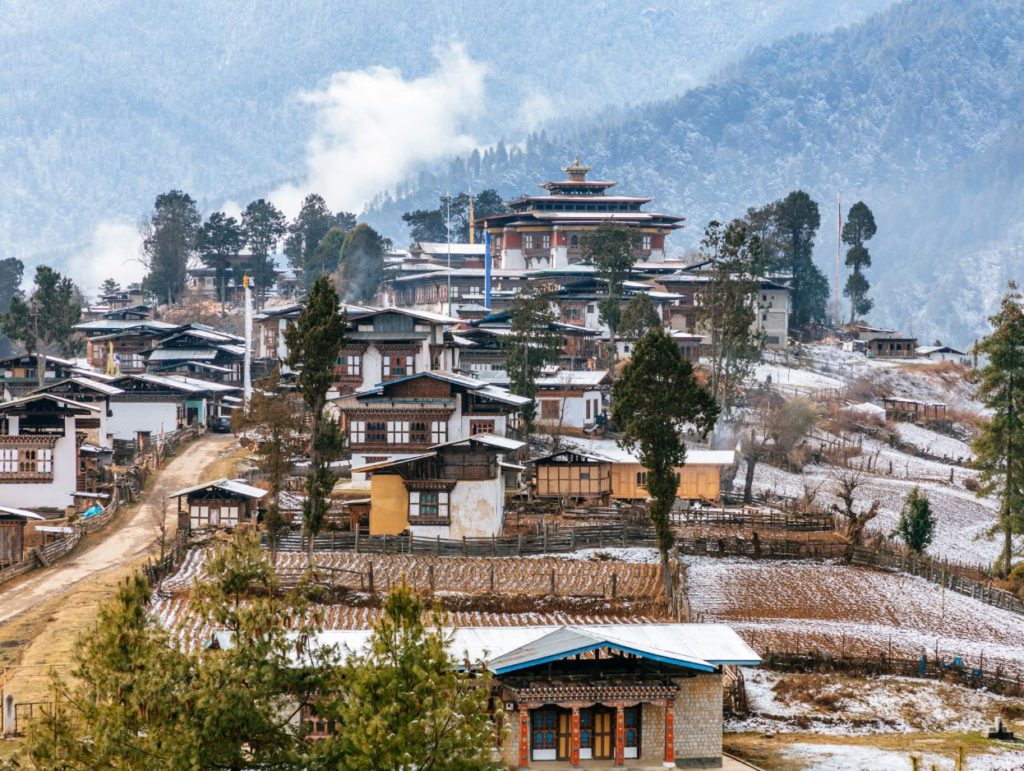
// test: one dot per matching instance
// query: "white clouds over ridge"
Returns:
(373, 127)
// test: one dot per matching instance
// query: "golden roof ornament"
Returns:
(577, 172)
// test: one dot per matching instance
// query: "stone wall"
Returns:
(698, 721)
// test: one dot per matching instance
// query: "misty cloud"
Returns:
(374, 126)
(112, 252)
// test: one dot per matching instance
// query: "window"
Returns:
(36, 462)
(439, 431)
(631, 725)
(545, 241)
(481, 427)
(419, 432)
(399, 365)
(544, 729)
(398, 432)
(549, 409)
(428, 504)
(357, 432)
(351, 364)
(588, 409)
(645, 243)
(528, 241)
(376, 432)
(574, 241)
(584, 476)
(641, 479)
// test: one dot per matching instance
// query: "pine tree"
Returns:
(362, 264)
(916, 526)
(270, 416)
(305, 232)
(859, 227)
(313, 345)
(612, 250)
(655, 398)
(404, 703)
(45, 321)
(999, 449)
(12, 270)
(638, 316)
(110, 286)
(263, 225)
(169, 242)
(531, 346)
(218, 241)
(796, 221)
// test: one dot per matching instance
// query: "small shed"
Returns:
(912, 411)
(892, 347)
(222, 503)
(574, 475)
(12, 533)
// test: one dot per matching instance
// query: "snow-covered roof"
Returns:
(573, 378)
(442, 249)
(703, 647)
(20, 513)
(228, 485)
(85, 382)
(608, 449)
(924, 350)
(434, 318)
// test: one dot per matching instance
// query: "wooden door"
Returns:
(604, 733)
(564, 735)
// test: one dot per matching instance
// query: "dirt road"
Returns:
(122, 541)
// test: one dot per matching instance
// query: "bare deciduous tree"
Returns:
(846, 483)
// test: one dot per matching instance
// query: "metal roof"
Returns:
(703, 647)
(20, 513)
(573, 377)
(69, 403)
(229, 485)
(85, 382)
(182, 354)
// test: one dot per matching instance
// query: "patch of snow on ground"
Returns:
(792, 376)
(849, 757)
(932, 442)
(634, 554)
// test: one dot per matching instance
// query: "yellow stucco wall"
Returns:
(389, 504)
(694, 482)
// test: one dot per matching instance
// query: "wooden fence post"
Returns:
(492, 577)
(615, 582)
(554, 585)
(430, 576)
(369, 578)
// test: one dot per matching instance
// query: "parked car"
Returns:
(221, 425)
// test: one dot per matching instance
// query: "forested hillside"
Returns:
(206, 95)
(917, 111)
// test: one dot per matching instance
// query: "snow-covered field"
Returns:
(795, 606)
(851, 757)
(932, 442)
(784, 703)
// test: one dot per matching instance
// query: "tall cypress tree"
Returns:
(612, 249)
(169, 241)
(263, 225)
(654, 398)
(218, 240)
(313, 344)
(859, 227)
(531, 346)
(796, 222)
(999, 449)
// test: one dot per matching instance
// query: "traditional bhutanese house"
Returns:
(199, 347)
(12, 533)
(150, 405)
(87, 391)
(570, 399)
(456, 489)
(689, 345)
(39, 449)
(223, 503)
(570, 475)
(892, 347)
(116, 345)
(20, 374)
(912, 411)
(943, 353)
(459, 255)
(700, 478)
(411, 414)
(578, 343)
(591, 695)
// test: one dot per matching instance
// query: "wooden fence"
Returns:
(1000, 679)
(753, 517)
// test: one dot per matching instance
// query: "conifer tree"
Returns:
(638, 316)
(612, 250)
(404, 703)
(11, 272)
(110, 286)
(314, 341)
(858, 228)
(916, 526)
(362, 264)
(999, 449)
(218, 240)
(531, 346)
(796, 220)
(169, 242)
(270, 417)
(45, 322)
(263, 225)
(654, 399)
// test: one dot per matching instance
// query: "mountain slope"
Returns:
(917, 111)
(108, 102)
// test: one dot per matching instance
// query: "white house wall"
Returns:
(476, 510)
(130, 418)
(55, 494)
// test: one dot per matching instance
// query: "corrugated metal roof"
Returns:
(20, 513)
(182, 354)
(230, 485)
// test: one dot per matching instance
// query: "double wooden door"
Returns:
(597, 732)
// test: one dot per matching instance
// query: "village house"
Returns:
(223, 503)
(571, 401)
(569, 475)
(906, 410)
(943, 353)
(88, 391)
(12, 533)
(455, 489)
(151, 405)
(115, 344)
(198, 349)
(20, 374)
(592, 695)
(39, 449)
(891, 347)
(409, 414)
(700, 477)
